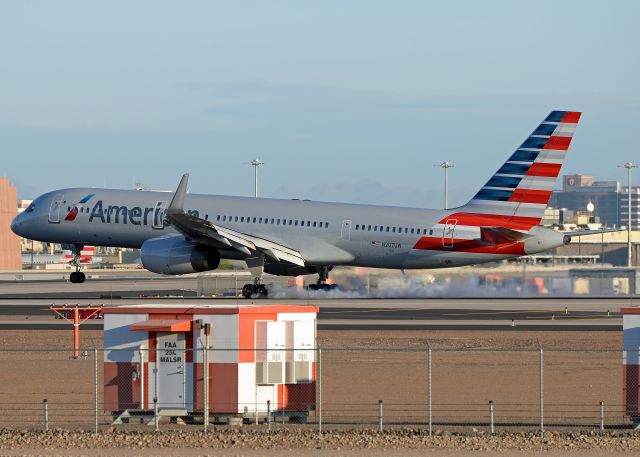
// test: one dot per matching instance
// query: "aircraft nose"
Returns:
(16, 226)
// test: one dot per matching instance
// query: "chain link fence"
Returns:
(432, 388)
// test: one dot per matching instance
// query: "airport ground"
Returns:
(484, 349)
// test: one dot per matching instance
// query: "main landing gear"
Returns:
(77, 277)
(256, 290)
(323, 275)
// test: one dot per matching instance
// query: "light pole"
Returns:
(629, 166)
(256, 164)
(445, 165)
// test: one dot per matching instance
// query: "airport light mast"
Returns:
(629, 166)
(256, 164)
(445, 165)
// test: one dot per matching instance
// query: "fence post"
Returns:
(319, 400)
(95, 387)
(45, 405)
(205, 382)
(269, 415)
(141, 355)
(491, 427)
(380, 416)
(155, 396)
(602, 416)
(541, 391)
(429, 388)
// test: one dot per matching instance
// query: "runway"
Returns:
(24, 304)
(368, 314)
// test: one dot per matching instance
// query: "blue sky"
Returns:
(350, 101)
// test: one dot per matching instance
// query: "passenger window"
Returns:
(424, 231)
(206, 217)
(369, 228)
(272, 220)
(412, 231)
(394, 230)
(278, 221)
(430, 232)
(357, 226)
(260, 221)
(224, 218)
(290, 221)
(406, 230)
(242, 219)
(314, 223)
(236, 218)
(296, 222)
(387, 228)
(218, 217)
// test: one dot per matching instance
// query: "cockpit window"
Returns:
(30, 208)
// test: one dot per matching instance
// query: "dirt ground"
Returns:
(359, 368)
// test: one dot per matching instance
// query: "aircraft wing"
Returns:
(205, 232)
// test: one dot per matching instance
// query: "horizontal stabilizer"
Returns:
(592, 232)
(500, 235)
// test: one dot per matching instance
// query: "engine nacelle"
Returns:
(173, 255)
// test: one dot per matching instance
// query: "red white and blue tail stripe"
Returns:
(501, 215)
(523, 185)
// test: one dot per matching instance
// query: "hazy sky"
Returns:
(343, 100)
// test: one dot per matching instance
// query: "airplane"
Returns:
(184, 233)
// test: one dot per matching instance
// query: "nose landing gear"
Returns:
(77, 277)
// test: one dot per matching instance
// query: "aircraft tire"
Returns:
(81, 277)
(247, 291)
(261, 290)
(73, 277)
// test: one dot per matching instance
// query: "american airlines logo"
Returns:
(135, 215)
(71, 216)
(122, 214)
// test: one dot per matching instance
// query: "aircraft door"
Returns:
(158, 215)
(345, 232)
(448, 232)
(55, 208)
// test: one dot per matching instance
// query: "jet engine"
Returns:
(175, 255)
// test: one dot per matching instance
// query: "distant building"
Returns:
(10, 257)
(608, 198)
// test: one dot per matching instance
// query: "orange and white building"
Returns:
(258, 353)
(631, 362)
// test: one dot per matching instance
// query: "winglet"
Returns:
(177, 202)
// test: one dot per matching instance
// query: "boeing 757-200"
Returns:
(180, 233)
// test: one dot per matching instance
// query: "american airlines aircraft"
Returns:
(180, 233)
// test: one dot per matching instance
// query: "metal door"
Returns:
(55, 208)
(158, 215)
(345, 232)
(171, 363)
(448, 232)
